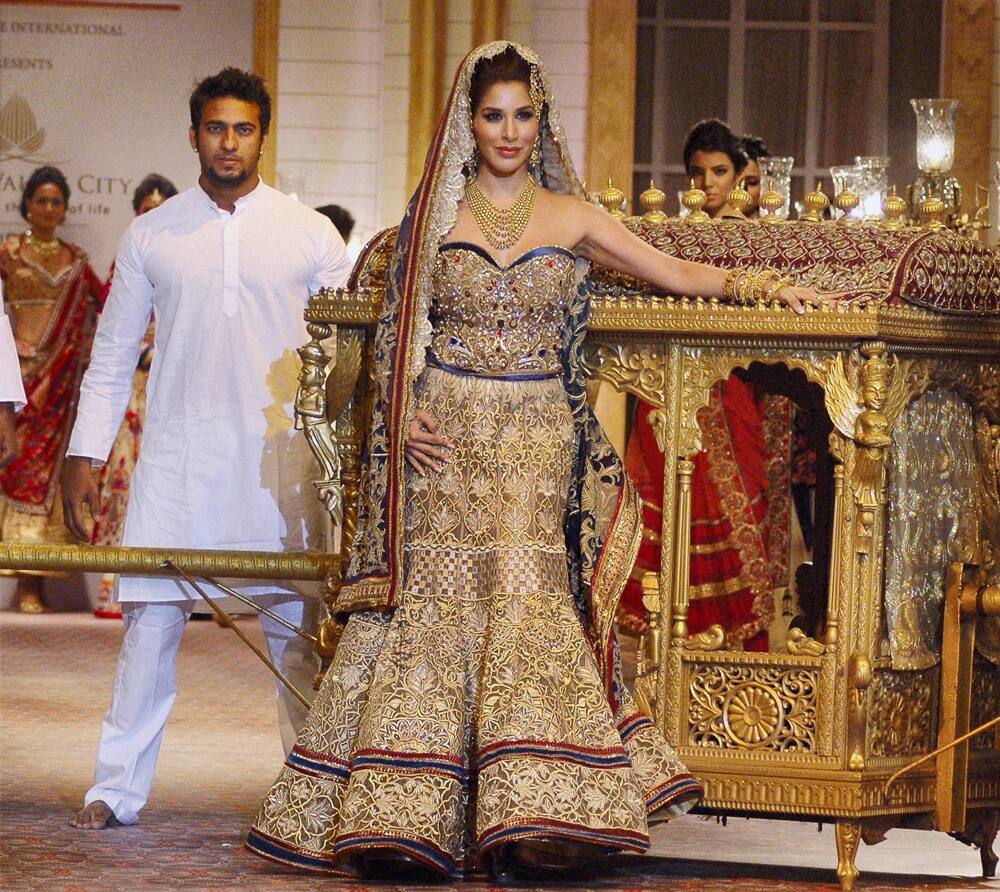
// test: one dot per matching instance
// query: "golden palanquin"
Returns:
(906, 369)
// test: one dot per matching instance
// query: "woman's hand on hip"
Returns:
(426, 450)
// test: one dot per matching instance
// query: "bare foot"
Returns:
(29, 594)
(96, 816)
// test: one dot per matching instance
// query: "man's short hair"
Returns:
(340, 217)
(714, 135)
(236, 84)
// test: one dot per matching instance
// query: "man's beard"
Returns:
(226, 180)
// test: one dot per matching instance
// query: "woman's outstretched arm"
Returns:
(607, 242)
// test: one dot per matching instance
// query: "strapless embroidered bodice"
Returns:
(497, 320)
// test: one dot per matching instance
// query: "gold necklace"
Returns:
(42, 247)
(501, 226)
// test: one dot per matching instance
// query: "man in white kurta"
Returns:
(227, 273)
(12, 397)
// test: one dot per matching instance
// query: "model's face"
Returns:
(153, 200)
(229, 141)
(505, 127)
(714, 174)
(751, 182)
(46, 209)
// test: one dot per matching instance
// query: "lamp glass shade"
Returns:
(935, 134)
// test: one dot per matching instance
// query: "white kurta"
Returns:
(221, 465)
(11, 385)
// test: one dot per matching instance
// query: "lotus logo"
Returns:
(20, 135)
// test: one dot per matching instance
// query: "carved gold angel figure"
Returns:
(871, 429)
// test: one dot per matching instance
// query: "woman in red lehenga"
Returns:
(474, 716)
(116, 475)
(52, 296)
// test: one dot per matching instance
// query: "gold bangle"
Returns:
(729, 283)
(743, 288)
(749, 288)
(777, 283)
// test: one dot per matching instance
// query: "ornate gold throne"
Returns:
(815, 728)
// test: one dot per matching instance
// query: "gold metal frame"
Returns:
(804, 733)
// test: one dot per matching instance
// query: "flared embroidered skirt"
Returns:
(474, 713)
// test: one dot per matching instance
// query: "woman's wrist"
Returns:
(748, 287)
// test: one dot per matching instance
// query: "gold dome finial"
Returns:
(611, 200)
(932, 208)
(694, 200)
(652, 202)
(771, 202)
(895, 211)
(846, 202)
(739, 198)
(817, 203)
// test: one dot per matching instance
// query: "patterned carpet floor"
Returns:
(221, 751)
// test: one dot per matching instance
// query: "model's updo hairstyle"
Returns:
(503, 67)
(44, 176)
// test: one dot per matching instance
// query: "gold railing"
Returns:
(306, 565)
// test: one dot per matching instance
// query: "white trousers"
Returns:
(146, 686)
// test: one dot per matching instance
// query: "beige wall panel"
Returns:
(337, 15)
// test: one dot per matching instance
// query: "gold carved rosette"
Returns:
(815, 726)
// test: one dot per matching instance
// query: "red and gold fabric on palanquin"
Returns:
(738, 536)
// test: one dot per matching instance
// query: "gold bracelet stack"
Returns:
(748, 287)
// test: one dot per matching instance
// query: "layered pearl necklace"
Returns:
(501, 226)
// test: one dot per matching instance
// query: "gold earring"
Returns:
(536, 152)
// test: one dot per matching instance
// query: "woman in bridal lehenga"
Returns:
(474, 715)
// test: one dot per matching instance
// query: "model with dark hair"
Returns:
(474, 713)
(52, 295)
(755, 149)
(151, 192)
(339, 217)
(738, 539)
(713, 158)
(226, 267)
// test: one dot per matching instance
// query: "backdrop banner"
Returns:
(100, 90)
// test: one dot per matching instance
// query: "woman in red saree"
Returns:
(52, 294)
(739, 491)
